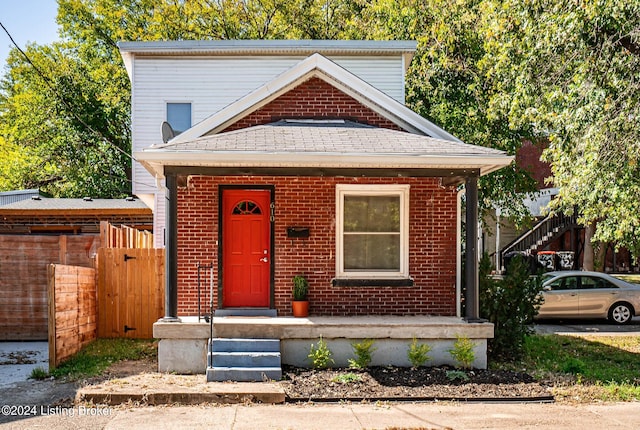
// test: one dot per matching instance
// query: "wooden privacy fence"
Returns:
(24, 282)
(72, 310)
(130, 291)
(124, 237)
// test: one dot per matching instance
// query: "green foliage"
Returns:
(70, 130)
(491, 72)
(607, 366)
(510, 304)
(99, 354)
(571, 71)
(300, 288)
(320, 355)
(39, 373)
(463, 352)
(79, 141)
(363, 354)
(418, 354)
(457, 375)
(574, 366)
(599, 359)
(347, 378)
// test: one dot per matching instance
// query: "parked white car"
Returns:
(578, 294)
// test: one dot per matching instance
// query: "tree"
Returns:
(446, 85)
(73, 141)
(86, 100)
(571, 70)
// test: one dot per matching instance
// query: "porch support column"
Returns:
(472, 291)
(171, 250)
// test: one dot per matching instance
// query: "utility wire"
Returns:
(61, 98)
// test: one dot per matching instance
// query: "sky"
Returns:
(27, 21)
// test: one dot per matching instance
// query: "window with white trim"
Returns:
(372, 231)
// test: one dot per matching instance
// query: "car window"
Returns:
(587, 282)
(565, 283)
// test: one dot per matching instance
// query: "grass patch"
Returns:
(586, 368)
(101, 353)
(39, 373)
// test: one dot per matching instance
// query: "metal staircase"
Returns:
(542, 234)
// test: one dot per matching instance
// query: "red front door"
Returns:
(246, 248)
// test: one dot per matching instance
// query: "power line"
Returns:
(62, 99)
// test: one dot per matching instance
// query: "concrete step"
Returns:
(246, 312)
(244, 345)
(245, 359)
(243, 374)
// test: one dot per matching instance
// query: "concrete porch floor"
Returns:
(182, 346)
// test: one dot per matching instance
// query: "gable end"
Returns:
(317, 99)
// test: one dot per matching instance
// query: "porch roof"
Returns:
(331, 144)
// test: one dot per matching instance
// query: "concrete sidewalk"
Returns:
(416, 416)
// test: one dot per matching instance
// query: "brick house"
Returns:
(312, 165)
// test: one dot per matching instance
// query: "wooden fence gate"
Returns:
(130, 291)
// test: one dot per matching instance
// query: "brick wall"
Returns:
(313, 98)
(310, 201)
(528, 159)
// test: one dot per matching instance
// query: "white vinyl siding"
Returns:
(213, 83)
(372, 231)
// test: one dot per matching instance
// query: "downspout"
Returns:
(459, 252)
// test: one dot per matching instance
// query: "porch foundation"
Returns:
(182, 346)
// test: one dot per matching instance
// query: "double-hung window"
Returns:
(372, 231)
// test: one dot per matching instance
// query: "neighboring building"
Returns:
(39, 231)
(553, 242)
(299, 157)
(7, 197)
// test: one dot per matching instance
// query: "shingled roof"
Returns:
(56, 215)
(40, 204)
(330, 144)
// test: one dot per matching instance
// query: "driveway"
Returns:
(588, 327)
(18, 359)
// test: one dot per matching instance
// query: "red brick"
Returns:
(310, 201)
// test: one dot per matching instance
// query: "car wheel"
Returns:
(620, 313)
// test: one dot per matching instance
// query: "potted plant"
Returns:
(300, 303)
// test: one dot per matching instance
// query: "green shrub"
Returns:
(510, 304)
(455, 375)
(463, 352)
(363, 351)
(347, 378)
(418, 354)
(320, 355)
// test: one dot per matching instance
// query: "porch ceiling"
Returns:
(327, 145)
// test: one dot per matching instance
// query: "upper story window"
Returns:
(372, 231)
(179, 116)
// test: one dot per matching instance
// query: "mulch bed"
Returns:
(398, 383)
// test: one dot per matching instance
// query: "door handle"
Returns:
(264, 259)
